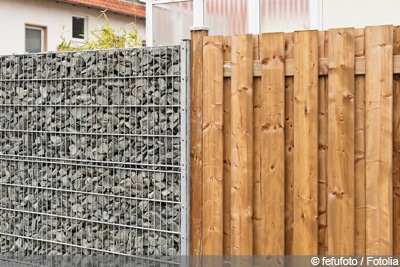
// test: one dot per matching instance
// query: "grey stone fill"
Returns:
(90, 153)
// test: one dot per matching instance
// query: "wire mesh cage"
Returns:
(93, 153)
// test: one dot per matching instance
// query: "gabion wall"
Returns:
(91, 153)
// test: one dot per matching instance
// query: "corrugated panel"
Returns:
(228, 17)
(172, 22)
(284, 15)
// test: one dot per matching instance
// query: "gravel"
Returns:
(90, 153)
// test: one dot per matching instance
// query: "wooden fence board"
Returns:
(396, 150)
(289, 149)
(322, 147)
(341, 142)
(257, 202)
(242, 146)
(359, 150)
(227, 151)
(213, 146)
(379, 110)
(306, 143)
(272, 144)
(196, 141)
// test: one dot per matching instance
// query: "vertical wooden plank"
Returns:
(322, 147)
(289, 148)
(272, 144)
(306, 143)
(257, 204)
(341, 142)
(227, 151)
(396, 150)
(196, 139)
(242, 145)
(212, 146)
(378, 134)
(359, 147)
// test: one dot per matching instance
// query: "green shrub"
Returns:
(105, 37)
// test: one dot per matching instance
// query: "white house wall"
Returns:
(15, 14)
(359, 13)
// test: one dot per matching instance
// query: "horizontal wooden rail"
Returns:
(322, 68)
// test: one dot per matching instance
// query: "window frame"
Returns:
(43, 36)
(85, 33)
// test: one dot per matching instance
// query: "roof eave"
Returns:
(132, 14)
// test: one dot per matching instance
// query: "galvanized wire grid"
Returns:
(91, 153)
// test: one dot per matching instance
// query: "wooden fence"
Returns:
(295, 143)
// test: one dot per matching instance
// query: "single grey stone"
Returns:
(138, 242)
(61, 237)
(107, 182)
(152, 241)
(117, 189)
(105, 216)
(173, 226)
(77, 208)
(90, 199)
(172, 252)
(132, 100)
(84, 97)
(104, 91)
(160, 185)
(55, 140)
(102, 235)
(103, 148)
(123, 144)
(146, 59)
(80, 112)
(93, 207)
(117, 98)
(141, 82)
(100, 100)
(73, 149)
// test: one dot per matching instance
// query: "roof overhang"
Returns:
(116, 6)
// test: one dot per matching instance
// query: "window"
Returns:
(78, 27)
(34, 39)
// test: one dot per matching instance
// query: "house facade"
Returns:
(358, 13)
(40, 25)
(37, 25)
